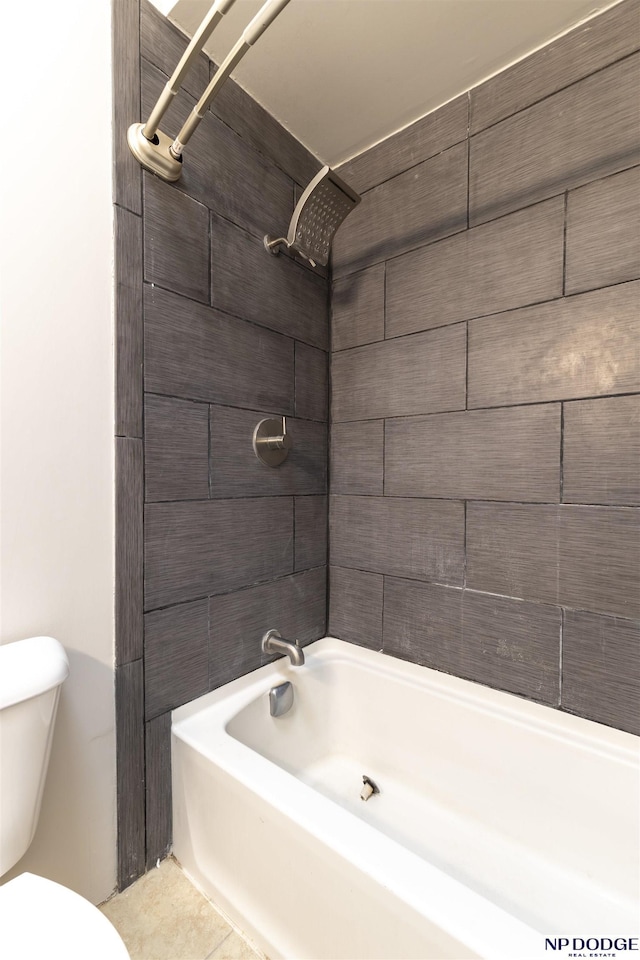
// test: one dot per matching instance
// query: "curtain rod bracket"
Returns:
(154, 155)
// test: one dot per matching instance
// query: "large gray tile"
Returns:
(579, 556)
(311, 522)
(582, 133)
(127, 173)
(263, 132)
(423, 623)
(588, 48)
(580, 346)
(417, 207)
(296, 606)
(418, 539)
(357, 457)
(129, 495)
(498, 266)
(176, 656)
(128, 323)
(312, 382)
(490, 454)
(357, 308)
(355, 606)
(419, 141)
(512, 645)
(163, 44)
(157, 744)
(601, 461)
(600, 559)
(601, 669)
(237, 472)
(603, 232)
(194, 549)
(281, 295)
(130, 809)
(514, 549)
(176, 240)
(195, 352)
(176, 449)
(423, 373)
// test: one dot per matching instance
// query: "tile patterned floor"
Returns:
(164, 917)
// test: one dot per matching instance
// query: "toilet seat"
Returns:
(40, 918)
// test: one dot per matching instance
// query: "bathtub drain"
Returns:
(369, 788)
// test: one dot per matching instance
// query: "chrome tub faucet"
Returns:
(272, 642)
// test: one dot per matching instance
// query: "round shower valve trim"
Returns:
(271, 441)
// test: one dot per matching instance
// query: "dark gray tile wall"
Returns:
(423, 204)
(511, 454)
(579, 346)
(603, 246)
(224, 335)
(582, 133)
(356, 606)
(364, 380)
(602, 451)
(415, 538)
(601, 669)
(485, 440)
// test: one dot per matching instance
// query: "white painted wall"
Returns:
(56, 505)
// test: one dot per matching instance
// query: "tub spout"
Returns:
(272, 642)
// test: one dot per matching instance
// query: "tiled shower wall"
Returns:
(485, 439)
(213, 334)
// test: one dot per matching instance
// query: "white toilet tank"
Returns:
(31, 672)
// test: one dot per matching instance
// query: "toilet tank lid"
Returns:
(30, 667)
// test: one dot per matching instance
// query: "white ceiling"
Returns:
(343, 74)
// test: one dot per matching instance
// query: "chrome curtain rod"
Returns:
(154, 149)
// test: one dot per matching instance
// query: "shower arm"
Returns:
(265, 16)
(200, 37)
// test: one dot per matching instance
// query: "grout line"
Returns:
(519, 405)
(564, 244)
(453, 499)
(227, 593)
(466, 367)
(329, 446)
(468, 160)
(198, 401)
(561, 652)
(293, 530)
(209, 465)
(464, 547)
(384, 582)
(561, 452)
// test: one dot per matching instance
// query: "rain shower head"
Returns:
(319, 212)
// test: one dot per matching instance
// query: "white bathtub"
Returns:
(501, 826)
